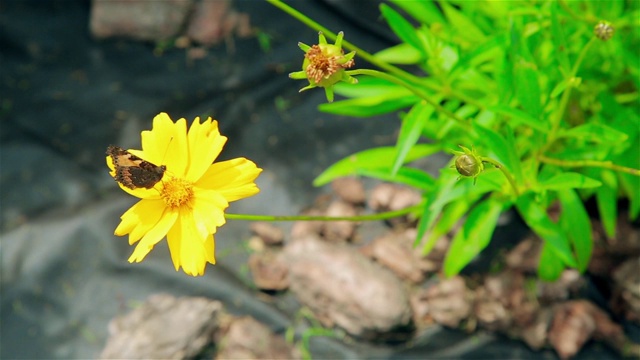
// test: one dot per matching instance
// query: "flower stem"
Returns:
(505, 172)
(372, 217)
(409, 78)
(414, 89)
(589, 163)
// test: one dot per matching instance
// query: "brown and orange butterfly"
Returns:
(132, 171)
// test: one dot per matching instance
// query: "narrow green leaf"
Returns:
(550, 266)
(569, 180)
(412, 125)
(368, 86)
(376, 158)
(425, 12)
(598, 133)
(528, 88)
(401, 27)
(498, 145)
(513, 155)
(559, 40)
(484, 52)
(368, 106)
(436, 200)
(463, 26)
(473, 237)
(535, 216)
(521, 117)
(451, 214)
(606, 197)
(406, 175)
(575, 222)
(403, 54)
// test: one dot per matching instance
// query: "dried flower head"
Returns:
(603, 30)
(324, 65)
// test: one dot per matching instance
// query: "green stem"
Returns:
(409, 86)
(564, 100)
(372, 217)
(589, 163)
(505, 172)
(409, 78)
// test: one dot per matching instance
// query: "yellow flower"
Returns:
(187, 204)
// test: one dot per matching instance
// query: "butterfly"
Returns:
(132, 171)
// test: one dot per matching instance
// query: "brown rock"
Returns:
(214, 20)
(339, 231)
(141, 20)
(164, 327)
(246, 338)
(395, 251)
(572, 326)
(349, 190)
(344, 288)
(390, 197)
(526, 255)
(269, 233)
(626, 298)
(269, 271)
(448, 303)
(304, 228)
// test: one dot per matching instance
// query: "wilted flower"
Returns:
(324, 65)
(185, 195)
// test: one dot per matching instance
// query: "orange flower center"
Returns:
(323, 64)
(177, 193)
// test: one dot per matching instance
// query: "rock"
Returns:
(214, 20)
(395, 251)
(339, 231)
(448, 303)
(344, 288)
(270, 234)
(391, 197)
(269, 271)
(246, 338)
(626, 297)
(164, 327)
(526, 255)
(141, 20)
(349, 190)
(304, 228)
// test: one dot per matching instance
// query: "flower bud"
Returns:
(468, 163)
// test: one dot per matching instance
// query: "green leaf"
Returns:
(436, 200)
(368, 86)
(413, 177)
(451, 214)
(575, 222)
(403, 54)
(412, 125)
(559, 42)
(521, 117)
(484, 52)
(425, 12)
(499, 146)
(550, 266)
(474, 235)
(606, 197)
(569, 180)
(528, 88)
(535, 216)
(598, 133)
(463, 26)
(369, 106)
(376, 158)
(401, 27)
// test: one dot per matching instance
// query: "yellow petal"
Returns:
(205, 144)
(139, 219)
(208, 210)
(234, 178)
(188, 249)
(154, 235)
(166, 144)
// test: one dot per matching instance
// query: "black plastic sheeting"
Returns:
(66, 96)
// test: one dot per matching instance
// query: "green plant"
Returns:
(546, 92)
